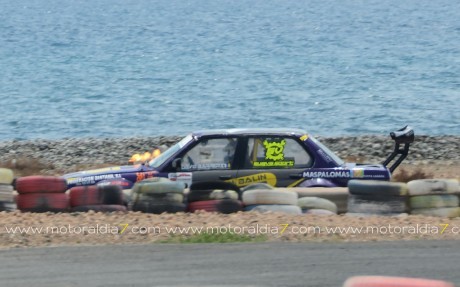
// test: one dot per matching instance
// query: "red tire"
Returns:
(96, 195)
(206, 205)
(43, 202)
(383, 281)
(41, 184)
(222, 206)
(100, 208)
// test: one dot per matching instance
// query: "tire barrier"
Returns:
(6, 176)
(283, 208)
(96, 195)
(42, 194)
(317, 204)
(433, 201)
(386, 281)
(43, 202)
(100, 208)
(433, 186)
(40, 184)
(158, 195)
(338, 195)
(371, 197)
(225, 206)
(434, 197)
(269, 196)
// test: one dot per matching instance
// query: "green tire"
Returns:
(307, 203)
(151, 186)
(433, 201)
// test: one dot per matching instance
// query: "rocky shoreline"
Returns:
(66, 155)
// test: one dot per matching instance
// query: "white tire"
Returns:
(6, 176)
(307, 203)
(338, 195)
(433, 186)
(269, 196)
(259, 185)
(6, 193)
(439, 212)
(223, 194)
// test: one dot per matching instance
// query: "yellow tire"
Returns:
(6, 176)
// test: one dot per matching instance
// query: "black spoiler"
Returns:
(404, 136)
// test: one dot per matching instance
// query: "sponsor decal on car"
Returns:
(326, 157)
(92, 179)
(264, 177)
(274, 155)
(359, 172)
(207, 166)
(144, 175)
(327, 174)
(185, 177)
(352, 173)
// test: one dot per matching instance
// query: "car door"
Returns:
(276, 160)
(211, 159)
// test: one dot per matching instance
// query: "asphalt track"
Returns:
(266, 264)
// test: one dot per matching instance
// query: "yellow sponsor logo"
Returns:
(264, 177)
(304, 137)
(358, 172)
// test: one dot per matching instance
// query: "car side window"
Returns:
(210, 154)
(276, 152)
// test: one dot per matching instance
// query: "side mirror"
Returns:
(177, 164)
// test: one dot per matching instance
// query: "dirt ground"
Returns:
(437, 170)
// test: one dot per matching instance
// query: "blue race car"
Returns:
(279, 157)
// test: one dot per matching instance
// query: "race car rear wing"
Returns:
(404, 136)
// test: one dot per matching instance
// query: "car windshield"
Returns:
(330, 153)
(156, 162)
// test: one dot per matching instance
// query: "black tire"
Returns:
(227, 206)
(371, 187)
(161, 197)
(158, 208)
